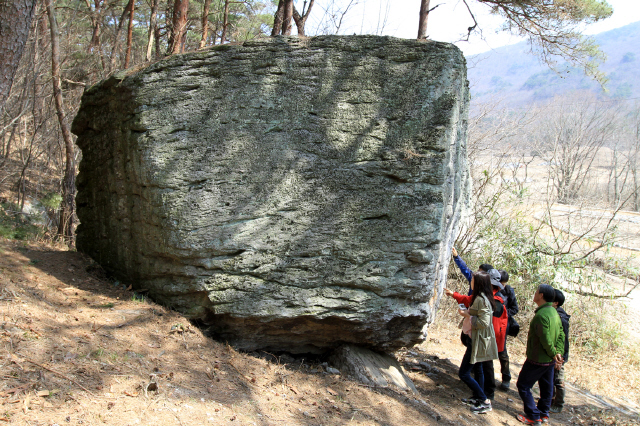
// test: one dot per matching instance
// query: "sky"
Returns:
(448, 22)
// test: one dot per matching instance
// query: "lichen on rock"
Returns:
(293, 194)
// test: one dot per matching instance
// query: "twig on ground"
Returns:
(175, 414)
(238, 371)
(247, 381)
(604, 296)
(61, 375)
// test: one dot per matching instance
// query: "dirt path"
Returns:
(76, 349)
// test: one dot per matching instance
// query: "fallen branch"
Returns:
(602, 296)
(61, 375)
(175, 415)
(15, 390)
(74, 83)
(247, 381)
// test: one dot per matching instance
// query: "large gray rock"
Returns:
(295, 194)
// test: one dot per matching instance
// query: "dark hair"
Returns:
(548, 293)
(485, 267)
(504, 276)
(482, 285)
(559, 297)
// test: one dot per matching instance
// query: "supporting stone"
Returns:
(371, 368)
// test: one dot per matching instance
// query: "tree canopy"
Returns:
(552, 27)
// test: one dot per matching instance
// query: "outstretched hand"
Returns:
(454, 252)
(448, 292)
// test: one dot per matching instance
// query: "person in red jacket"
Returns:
(500, 320)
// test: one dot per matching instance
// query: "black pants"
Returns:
(476, 385)
(484, 370)
(529, 375)
(504, 365)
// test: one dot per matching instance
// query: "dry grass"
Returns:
(75, 349)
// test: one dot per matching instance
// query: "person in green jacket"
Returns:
(545, 346)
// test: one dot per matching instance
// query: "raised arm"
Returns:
(461, 265)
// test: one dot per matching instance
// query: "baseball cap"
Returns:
(494, 274)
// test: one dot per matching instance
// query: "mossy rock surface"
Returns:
(295, 194)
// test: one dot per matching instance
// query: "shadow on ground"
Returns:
(78, 348)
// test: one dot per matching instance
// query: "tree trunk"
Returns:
(205, 23)
(216, 30)
(22, 102)
(67, 207)
(168, 17)
(636, 195)
(299, 22)
(288, 15)
(424, 16)
(616, 196)
(225, 22)
(158, 37)
(277, 19)
(15, 22)
(302, 20)
(153, 24)
(127, 59)
(7, 151)
(116, 39)
(39, 104)
(95, 23)
(179, 25)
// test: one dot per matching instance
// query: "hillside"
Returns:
(78, 348)
(512, 73)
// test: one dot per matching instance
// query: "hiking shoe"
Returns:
(481, 407)
(505, 386)
(471, 401)
(523, 419)
(556, 409)
(544, 419)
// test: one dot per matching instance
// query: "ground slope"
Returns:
(77, 348)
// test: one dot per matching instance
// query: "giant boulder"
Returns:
(293, 194)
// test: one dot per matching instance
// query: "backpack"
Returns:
(500, 322)
(513, 328)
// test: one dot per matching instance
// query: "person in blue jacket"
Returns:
(465, 269)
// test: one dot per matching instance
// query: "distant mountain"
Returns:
(512, 73)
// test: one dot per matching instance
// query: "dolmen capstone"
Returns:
(293, 194)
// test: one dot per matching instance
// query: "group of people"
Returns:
(488, 310)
